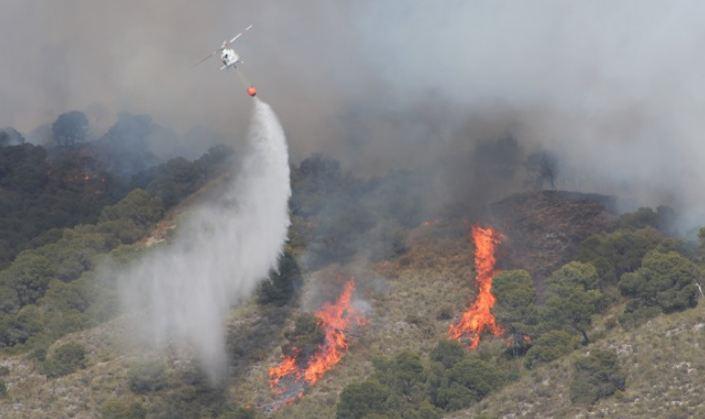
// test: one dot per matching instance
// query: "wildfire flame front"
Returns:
(479, 318)
(335, 319)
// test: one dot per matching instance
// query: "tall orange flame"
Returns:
(335, 319)
(479, 318)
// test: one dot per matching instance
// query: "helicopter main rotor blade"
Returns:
(204, 59)
(239, 35)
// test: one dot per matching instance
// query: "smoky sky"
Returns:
(615, 89)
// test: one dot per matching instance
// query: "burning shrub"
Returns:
(334, 320)
(304, 340)
(479, 318)
(596, 376)
(66, 359)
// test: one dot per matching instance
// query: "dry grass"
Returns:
(665, 369)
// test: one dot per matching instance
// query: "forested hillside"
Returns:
(575, 279)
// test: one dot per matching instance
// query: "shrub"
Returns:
(279, 288)
(404, 374)
(572, 299)
(146, 377)
(138, 206)
(362, 399)
(3, 389)
(119, 409)
(549, 346)
(467, 382)
(448, 353)
(515, 309)
(66, 359)
(614, 254)
(18, 328)
(596, 376)
(665, 280)
(305, 338)
(29, 276)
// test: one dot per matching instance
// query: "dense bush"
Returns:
(596, 376)
(279, 288)
(404, 375)
(448, 353)
(138, 206)
(515, 308)
(666, 282)
(28, 276)
(3, 389)
(147, 377)
(572, 298)
(18, 328)
(409, 386)
(616, 253)
(466, 382)
(362, 399)
(549, 346)
(661, 219)
(65, 359)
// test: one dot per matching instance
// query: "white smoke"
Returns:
(181, 294)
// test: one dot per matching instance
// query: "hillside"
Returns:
(408, 301)
(664, 376)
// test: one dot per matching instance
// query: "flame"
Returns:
(479, 318)
(335, 319)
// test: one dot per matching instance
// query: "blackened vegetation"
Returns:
(544, 229)
(338, 215)
(38, 194)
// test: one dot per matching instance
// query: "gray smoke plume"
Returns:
(180, 294)
(613, 89)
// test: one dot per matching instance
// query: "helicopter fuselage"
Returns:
(229, 58)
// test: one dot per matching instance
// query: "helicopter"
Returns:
(230, 59)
